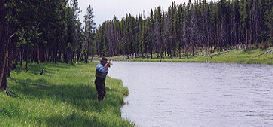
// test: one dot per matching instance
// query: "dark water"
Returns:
(197, 94)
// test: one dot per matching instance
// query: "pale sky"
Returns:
(106, 9)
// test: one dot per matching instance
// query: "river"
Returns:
(196, 94)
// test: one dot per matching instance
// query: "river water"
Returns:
(197, 94)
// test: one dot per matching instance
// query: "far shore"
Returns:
(255, 56)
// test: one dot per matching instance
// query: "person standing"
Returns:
(101, 73)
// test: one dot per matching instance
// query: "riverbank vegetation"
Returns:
(257, 56)
(64, 95)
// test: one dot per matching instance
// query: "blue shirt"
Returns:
(101, 70)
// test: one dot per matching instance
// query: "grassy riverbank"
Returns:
(64, 96)
(256, 56)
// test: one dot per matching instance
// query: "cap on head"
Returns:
(103, 59)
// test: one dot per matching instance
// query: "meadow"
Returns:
(64, 96)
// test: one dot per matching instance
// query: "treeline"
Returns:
(42, 31)
(184, 29)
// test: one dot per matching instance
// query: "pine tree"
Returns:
(90, 29)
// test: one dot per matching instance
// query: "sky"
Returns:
(107, 9)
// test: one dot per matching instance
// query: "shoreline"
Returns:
(256, 56)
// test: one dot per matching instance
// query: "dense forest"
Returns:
(186, 29)
(51, 31)
(43, 31)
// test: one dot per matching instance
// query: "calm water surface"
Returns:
(197, 94)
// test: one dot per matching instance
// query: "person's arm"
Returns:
(103, 69)
(107, 65)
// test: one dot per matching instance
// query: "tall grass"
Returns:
(64, 96)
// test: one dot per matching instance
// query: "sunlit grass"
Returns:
(64, 96)
(256, 56)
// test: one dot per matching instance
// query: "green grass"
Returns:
(64, 97)
(256, 56)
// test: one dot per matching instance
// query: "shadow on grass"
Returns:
(81, 96)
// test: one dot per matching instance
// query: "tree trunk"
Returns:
(180, 56)
(92, 58)
(86, 57)
(151, 54)
(21, 58)
(26, 57)
(193, 50)
(4, 80)
(4, 41)
(3, 65)
(187, 53)
(9, 62)
(38, 54)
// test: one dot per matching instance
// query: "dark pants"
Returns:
(100, 87)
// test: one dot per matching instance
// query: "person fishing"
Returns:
(101, 73)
